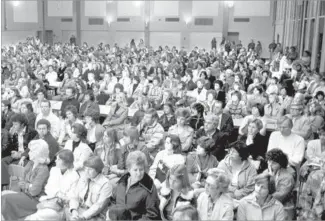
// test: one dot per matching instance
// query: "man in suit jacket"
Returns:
(210, 129)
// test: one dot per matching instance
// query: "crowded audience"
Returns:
(138, 133)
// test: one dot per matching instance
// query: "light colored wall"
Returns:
(260, 28)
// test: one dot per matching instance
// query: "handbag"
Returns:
(54, 204)
(161, 173)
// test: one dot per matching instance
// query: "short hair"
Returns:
(236, 93)
(42, 150)
(260, 178)
(213, 92)
(206, 143)
(259, 88)
(20, 118)
(277, 156)
(156, 79)
(119, 86)
(95, 85)
(241, 148)
(258, 123)
(152, 112)
(283, 119)
(132, 132)
(41, 90)
(79, 130)
(72, 109)
(187, 210)
(47, 101)
(220, 83)
(213, 118)
(221, 178)
(95, 162)
(176, 142)
(183, 112)
(320, 93)
(136, 158)
(28, 105)
(260, 108)
(180, 172)
(66, 156)
(91, 95)
(94, 115)
(199, 108)
(44, 122)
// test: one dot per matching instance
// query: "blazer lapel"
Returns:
(223, 121)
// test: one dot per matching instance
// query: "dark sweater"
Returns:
(70, 101)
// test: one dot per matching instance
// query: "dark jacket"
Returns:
(7, 118)
(102, 98)
(196, 122)
(141, 198)
(258, 149)
(163, 120)
(227, 128)
(13, 142)
(219, 143)
(70, 101)
(191, 85)
(53, 145)
(221, 96)
(31, 117)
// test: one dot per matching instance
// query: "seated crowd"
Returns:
(188, 136)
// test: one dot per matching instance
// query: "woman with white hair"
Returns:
(22, 202)
(214, 203)
(59, 188)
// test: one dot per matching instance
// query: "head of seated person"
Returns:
(211, 123)
(285, 126)
(182, 116)
(64, 159)
(187, 212)
(39, 152)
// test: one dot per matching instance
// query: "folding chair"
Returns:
(16, 172)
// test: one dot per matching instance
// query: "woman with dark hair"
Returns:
(71, 114)
(27, 109)
(261, 205)
(236, 107)
(166, 159)
(60, 185)
(168, 119)
(241, 172)
(14, 98)
(41, 95)
(88, 104)
(256, 98)
(78, 145)
(176, 191)
(257, 113)
(220, 94)
(182, 129)
(199, 162)
(197, 119)
(81, 89)
(284, 181)
(95, 130)
(256, 143)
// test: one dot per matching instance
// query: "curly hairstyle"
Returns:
(241, 147)
(277, 156)
(206, 143)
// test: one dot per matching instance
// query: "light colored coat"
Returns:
(246, 178)
(222, 210)
(248, 209)
(99, 193)
(81, 154)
